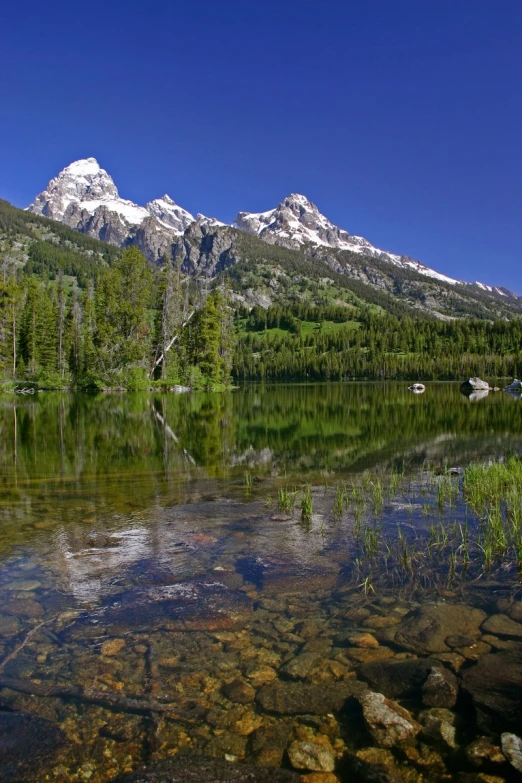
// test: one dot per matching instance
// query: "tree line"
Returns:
(132, 326)
(374, 346)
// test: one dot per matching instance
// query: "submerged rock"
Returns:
(190, 769)
(276, 575)
(428, 628)
(26, 741)
(388, 722)
(512, 749)
(438, 725)
(440, 689)
(297, 698)
(483, 751)
(198, 605)
(301, 666)
(495, 686)
(315, 756)
(502, 625)
(398, 678)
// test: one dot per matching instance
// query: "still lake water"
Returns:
(144, 557)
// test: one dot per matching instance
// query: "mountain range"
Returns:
(84, 197)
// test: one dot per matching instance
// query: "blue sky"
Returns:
(400, 119)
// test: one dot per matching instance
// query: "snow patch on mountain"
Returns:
(170, 214)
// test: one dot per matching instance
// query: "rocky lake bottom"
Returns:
(277, 626)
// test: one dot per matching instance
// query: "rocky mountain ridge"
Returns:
(85, 197)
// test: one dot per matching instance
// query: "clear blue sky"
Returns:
(400, 119)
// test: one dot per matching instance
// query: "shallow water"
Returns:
(151, 589)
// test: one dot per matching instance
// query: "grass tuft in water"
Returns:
(307, 504)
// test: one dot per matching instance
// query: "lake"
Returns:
(238, 576)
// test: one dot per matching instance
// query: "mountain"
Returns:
(84, 197)
(297, 223)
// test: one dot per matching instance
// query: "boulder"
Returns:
(310, 755)
(512, 749)
(502, 625)
(300, 667)
(438, 725)
(239, 692)
(514, 386)
(193, 769)
(275, 575)
(388, 722)
(196, 605)
(474, 384)
(426, 630)
(483, 751)
(26, 741)
(495, 686)
(440, 689)
(299, 698)
(398, 678)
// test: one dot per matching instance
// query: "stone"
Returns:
(194, 769)
(514, 386)
(388, 722)
(274, 575)
(196, 605)
(112, 646)
(315, 756)
(512, 608)
(368, 654)
(398, 678)
(24, 607)
(428, 628)
(440, 689)
(495, 686)
(239, 692)
(26, 741)
(259, 674)
(303, 698)
(26, 585)
(502, 625)
(424, 756)
(269, 742)
(482, 751)
(320, 777)
(438, 725)
(9, 626)
(300, 666)
(474, 384)
(512, 749)
(460, 640)
(362, 640)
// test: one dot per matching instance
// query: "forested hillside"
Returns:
(76, 312)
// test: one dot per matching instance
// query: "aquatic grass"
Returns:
(248, 480)
(285, 500)
(307, 504)
(340, 501)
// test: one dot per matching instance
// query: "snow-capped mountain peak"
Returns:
(169, 213)
(84, 196)
(296, 222)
